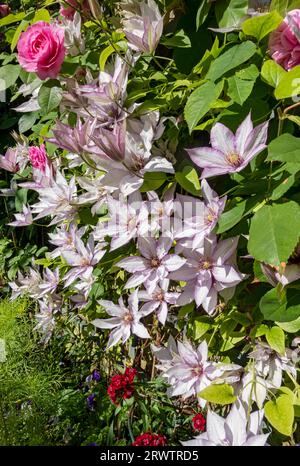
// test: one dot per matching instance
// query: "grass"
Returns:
(30, 380)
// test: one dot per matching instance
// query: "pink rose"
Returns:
(71, 6)
(41, 49)
(38, 157)
(4, 10)
(283, 44)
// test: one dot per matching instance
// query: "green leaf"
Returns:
(22, 26)
(274, 232)
(153, 181)
(222, 394)
(41, 15)
(201, 325)
(230, 12)
(275, 338)
(249, 73)
(239, 89)
(285, 148)
(8, 76)
(200, 101)
(231, 217)
(177, 40)
(294, 119)
(50, 96)
(202, 13)
(189, 180)
(104, 55)
(232, 58)
(27, 121)
(289, 84)
(10, 19)
(261, 26)
(272, 73)
(290, 327)
(283, 6)
(280, 414)
(284, 307)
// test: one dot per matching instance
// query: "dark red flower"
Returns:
(199, 422)
(122, 385)
(150, 440)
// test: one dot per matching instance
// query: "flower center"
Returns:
(128, 318)
(205, 265)
(210, 217)
(155, 262)
(234, 159)
(198, 370)
(159, 296)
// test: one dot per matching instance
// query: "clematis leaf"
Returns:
(274, 232)
(189, 180)
(280, 414)
(222, 394)
(285, 308)
(230, 59)
(261, 26)
(275, 338)
(285, 148)
(272, 73)
(200, 102)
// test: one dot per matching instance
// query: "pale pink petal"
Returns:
(222, 139)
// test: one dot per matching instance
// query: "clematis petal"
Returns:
(242, 133)
(222, 139)
(140, 330)
(207, 157)
(133, 264)
(228, 275)
(256, 142)
(215, 428)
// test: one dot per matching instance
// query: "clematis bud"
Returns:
(95, 8)
(142, 24)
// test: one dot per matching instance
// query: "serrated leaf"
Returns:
(27, 121)
(49, 97)
(280, 414)
(8, 76)
(222, 394)
(274, 232)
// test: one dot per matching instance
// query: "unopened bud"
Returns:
(95, 9)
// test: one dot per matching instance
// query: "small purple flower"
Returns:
(91, 401)
(96, 376)
(230, 153)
